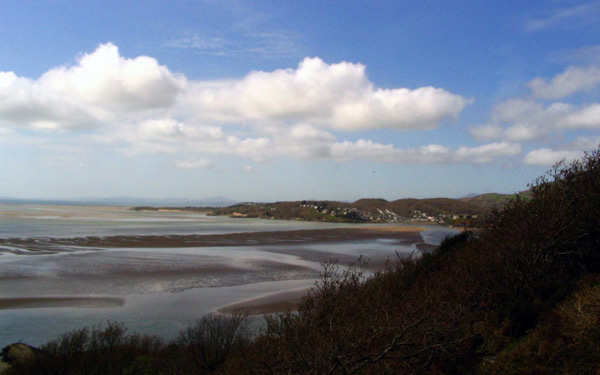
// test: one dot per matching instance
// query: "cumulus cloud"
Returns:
(161, 135)
(549, 157)
(387, 153)
(528, 120)
(301, 141)
(339, 96)
(486, 153)
(106, 79)
(101, 87)
(105, 89)
(568, 152)
(138, 106)
(572, 80)
(586, 143)
(24, 103)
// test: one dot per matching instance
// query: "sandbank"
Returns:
(356, 233)
(269, 304)
(67, 301)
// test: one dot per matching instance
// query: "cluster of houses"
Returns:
(417, 215)
(385, 215)
(324, 211)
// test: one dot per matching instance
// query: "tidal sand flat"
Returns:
(158, 274)
(356, 233)
(268, 304)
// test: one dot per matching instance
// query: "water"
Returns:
(164, 289)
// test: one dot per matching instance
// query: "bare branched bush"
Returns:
(207, 344)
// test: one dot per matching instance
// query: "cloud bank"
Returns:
(138, 106)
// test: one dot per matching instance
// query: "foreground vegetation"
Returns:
(519, 296)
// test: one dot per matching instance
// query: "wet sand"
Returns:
(68, 301)
(408, 233)
(269, 304)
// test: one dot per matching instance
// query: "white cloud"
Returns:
(586, 143)
(305, 142)
(162, 135)
(137, 106)
(575, 16)
(568, 152)
(299, 142)
(369, 150)
(587, 117)
(196, 164)
(572, 80)
(548, 157)
(528, 120)
(24, 103)
(486, 153)
(339, 96)
(104, 78)
(102, 87)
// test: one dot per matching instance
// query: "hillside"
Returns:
(491, 200)
(438, 210)
(470, 211)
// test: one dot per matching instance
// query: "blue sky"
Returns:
(282, 100)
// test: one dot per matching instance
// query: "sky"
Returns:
(291, 100)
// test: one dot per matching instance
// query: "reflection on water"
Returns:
(164, 314)
(164, 288)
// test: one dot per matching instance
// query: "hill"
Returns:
(491, 200)
(438, 210)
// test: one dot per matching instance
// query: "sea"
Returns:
(153, 290)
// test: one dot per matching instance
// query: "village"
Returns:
(387, 216)
(344, 212)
